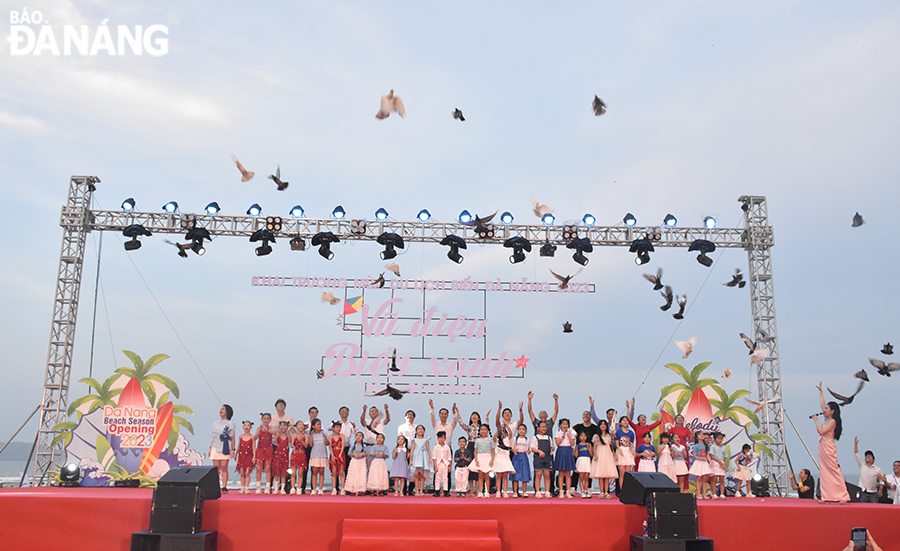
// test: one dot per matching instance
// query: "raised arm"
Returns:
(362, 416)
(821, 396)
(530, 412)
(521, 416)
(497, 418)
(593, 413)
(555, 407)
(387, 415)
(431, 408)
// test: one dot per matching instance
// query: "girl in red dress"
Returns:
(245, 457)
(280, 459)
(336, 440)
(298, 456)
(264, 453)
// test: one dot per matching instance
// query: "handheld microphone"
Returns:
(815, 415)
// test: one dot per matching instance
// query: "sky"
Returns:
(794, 101)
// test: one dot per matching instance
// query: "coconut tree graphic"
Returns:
(104, 396)
(691, 390)
(141, 372)
(726, 408)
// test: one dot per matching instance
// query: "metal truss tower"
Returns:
(77, 220)
(74, 220)
(759, 241)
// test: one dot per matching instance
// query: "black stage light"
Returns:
(70, 475)
(580, 245)
(759, 485)
(323, 240)
(704, 247)
(134, 231)
(389, 240)
(643, 248)
(298, 244)
(455, 243)
(265, 236)
(196, 236)
(548, 249)
(520, 246)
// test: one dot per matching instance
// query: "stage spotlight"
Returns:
(265, 236)
(323, 240)
(297, 211)
(569, 232)
(709, 222)
(70, 475)
(423, 216)
(654, 233)
(196, 236)
(520, 246)
(670, 221)
(455, 243)
(589, 220)
(704, 247)
(759, 485)
(298, 244)
(128, 204)
(548, 249)
(465, 217)
(134, 231)
(170, 207)
(629, 220)
(381, 214)
(643, 248)
(506, 218)
(580, 245)
(273, 223)
(548, 219)
(389, 240)
(338, 213)
(254, 210)
(358, 227)
(212, 209)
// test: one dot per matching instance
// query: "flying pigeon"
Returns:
(884, 369)
(861, 374)
(750, 344)
(736, 280)
(389, 104)
(328, 297)
(539, 210)
(667, 294)
(479, 222)
(564, 281)
(245, 174)
(686, 347)
(394, 367)
(277, 179)
(682, 302)
(379, 283)
(182, 249)
(888, 349)
(726, 373)
(567, 327)
(857, 220)
(320, 373)
(599, 106)
(392, 392)
(759, 355)
(844, 400)
(392, 267)
(457, 114)
(656, 280)
(759, 405)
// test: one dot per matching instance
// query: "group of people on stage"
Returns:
(501, 459)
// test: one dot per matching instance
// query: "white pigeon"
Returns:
(389, 104)
(329, 298)
(392, 267)
(757, 406)
(759, 355)
(539, 209)
(726, 373)
(686, 347)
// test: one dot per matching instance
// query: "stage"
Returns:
(104, 518)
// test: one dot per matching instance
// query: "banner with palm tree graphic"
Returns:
(128, 426)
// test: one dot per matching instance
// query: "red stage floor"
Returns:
(104, 518)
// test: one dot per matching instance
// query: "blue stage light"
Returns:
(381, 214)
(629, 220)
(670, 221)
(297, 211)
(506, 218)
(548, 219)
(338, 213)
(128, 204)
(589, 220)
(212, 209)
(465, 217)
(254, 210)
(170, 207)
(423, 216)
(709, 222)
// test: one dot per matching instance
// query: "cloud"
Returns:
(22, 122)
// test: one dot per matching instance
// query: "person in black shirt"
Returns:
(806, 489)
(586, 426)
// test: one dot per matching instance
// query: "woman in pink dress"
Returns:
(831, 481)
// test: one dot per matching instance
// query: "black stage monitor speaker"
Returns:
(667, 504)
(205, 478)
(854, 491)
(636, 487)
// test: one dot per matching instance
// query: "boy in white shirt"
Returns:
(441, 458)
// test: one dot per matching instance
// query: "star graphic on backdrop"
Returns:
(522, 362)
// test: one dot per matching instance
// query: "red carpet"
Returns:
(104, 518)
